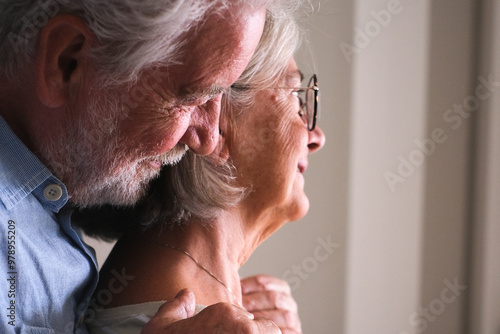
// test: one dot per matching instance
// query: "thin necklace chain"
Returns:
(198, 264)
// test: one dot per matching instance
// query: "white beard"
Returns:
(89, 159)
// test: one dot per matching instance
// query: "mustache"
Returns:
(173, 156)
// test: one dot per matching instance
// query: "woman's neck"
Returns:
(206, 257)
(159, 272)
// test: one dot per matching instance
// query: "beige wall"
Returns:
(410, 170)
(484, 259)
(375, 258)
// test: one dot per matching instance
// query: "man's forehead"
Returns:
(220, 48)
(207, 72)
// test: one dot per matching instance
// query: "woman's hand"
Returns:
(176, 316)
(271, 298)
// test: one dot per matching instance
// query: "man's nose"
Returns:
(202, 135)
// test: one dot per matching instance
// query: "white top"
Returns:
(128, 319)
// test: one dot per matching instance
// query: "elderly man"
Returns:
(95, 96)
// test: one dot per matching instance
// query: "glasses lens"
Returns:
(311, 100)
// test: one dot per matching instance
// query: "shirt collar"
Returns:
(22, 173)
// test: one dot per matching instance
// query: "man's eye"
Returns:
(208, 99)
(196, 101)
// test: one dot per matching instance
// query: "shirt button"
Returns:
(52, 192)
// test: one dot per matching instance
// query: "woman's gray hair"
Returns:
(200, 187)
(132, 35)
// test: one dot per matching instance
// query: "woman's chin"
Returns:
(299, 209)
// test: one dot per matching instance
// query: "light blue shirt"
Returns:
(47, 273)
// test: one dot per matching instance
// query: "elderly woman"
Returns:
(205, 216)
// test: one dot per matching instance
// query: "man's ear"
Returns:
(62, 53)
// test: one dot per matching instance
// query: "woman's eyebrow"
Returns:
(293, 76)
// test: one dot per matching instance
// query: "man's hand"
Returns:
(271, 298)
(176, 316)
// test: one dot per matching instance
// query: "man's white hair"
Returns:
(132, 35)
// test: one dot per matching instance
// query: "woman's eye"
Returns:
(299, 93)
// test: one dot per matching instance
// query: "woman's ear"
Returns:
(61, 59)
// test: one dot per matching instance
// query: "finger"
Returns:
(264, 283)
(181, 307)
(289, 331)
(269, 300)
(225, 318)
(263, 326)
(226, 309)
(285, 320)
(221, 318)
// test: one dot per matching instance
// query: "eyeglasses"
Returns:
(309, 103)
(308, 100)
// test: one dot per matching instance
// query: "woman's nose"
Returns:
(316, 139)
(202, 135)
